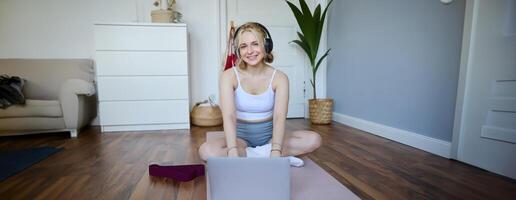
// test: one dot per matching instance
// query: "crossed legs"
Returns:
(300, 142)
(217, 148)
(294, 144)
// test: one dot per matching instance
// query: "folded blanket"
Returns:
(181, 173)
(11, 91)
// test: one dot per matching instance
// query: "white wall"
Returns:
(63, 29)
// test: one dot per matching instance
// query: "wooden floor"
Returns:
(114, 166)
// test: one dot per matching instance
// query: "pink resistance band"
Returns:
(181, 173)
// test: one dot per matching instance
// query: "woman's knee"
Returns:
(207, 150)
(314, 141)
(203, 151)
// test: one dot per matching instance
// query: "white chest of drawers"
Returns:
(142, 76)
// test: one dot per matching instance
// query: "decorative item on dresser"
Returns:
(161, 15)
(142, 76)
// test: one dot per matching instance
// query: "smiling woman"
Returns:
(254, 103)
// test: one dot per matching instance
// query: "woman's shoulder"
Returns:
(228, 76)
(280, 75)
(228, 73)
(280, 78)
(278, 72)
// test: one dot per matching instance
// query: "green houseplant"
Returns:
(311, 26)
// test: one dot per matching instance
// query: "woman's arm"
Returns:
(280, 112)
(227, 105)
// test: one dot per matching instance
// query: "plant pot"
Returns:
(161, 16)
(321, 110)
(206, 115)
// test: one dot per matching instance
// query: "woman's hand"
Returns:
(232, 152)
(275, 153)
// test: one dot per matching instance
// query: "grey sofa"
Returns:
(59, 93)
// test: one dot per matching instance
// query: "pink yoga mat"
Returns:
(310, 181)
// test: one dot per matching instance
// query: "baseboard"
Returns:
(432, 145)
(144, 127)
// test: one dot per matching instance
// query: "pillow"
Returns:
(11, 91)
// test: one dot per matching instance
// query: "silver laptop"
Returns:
(248, 178)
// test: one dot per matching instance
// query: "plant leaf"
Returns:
(309, 51)
(317, 24)
(304, 47)
(323, 17)
(297, 14)
(317, 13)
(326, 9)
(309, 27)
(321, 21)
(321, 59)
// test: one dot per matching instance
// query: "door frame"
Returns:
(469, 23)
(321, 74)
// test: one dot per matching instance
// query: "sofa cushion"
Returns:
(28, 125)
(33, 108)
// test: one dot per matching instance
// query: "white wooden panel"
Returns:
(144, 112)
(507, 104)
(497, 133)
(502, 119)
(141, 63)
(142, 88)
(152, 38)
(503, 88)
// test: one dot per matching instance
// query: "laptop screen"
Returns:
(248, 178)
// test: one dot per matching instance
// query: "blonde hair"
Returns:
(259, 33)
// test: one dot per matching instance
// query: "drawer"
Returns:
(124, 37)
(141, 63)
(142, 88)
(143, 112)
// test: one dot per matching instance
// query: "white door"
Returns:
(277, 17)
(487, 134)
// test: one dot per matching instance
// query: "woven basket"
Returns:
(206, 115)
(161, 16)
(321, 110)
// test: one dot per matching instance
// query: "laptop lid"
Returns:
(248, 178)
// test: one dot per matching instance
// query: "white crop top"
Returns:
(254, 107)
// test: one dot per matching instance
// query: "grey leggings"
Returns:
(254, 133)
